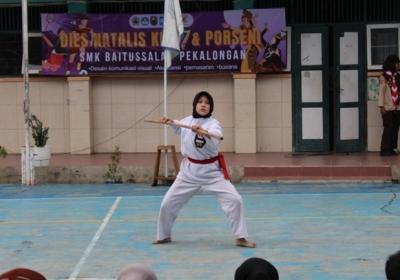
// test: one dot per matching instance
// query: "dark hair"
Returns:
(84, 16)
(196, 99)
(392, 268)
(391, 66)
(59, 30)
(390, 63)
(247, 14)
(256, 268)
(277, 41)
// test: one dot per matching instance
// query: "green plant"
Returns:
(39, 132)
(3, 152)
(115, 157)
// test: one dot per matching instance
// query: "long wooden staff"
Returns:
(187, 126)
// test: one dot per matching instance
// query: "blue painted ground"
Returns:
(307, 230)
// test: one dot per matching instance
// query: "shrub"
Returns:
(39, 132)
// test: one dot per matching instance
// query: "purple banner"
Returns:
(236, 41)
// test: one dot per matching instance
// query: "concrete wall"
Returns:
(94, 114)
(48, 101)
(88, 115)
(375, 126)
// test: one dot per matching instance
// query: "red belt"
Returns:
(219, 157)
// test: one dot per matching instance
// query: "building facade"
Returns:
(326, 99)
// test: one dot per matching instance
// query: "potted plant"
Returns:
(3, 152)
(42, 153)
(112, 176)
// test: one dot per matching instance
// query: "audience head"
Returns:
(392, 268)
(391, 63)
(256, 269)
(137, 271)
(22, 274)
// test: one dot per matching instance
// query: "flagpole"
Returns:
(166, 115)
(172, 31)
(27, 175)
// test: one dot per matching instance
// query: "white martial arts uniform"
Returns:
(195, 177)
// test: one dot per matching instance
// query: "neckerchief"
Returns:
(394, 89)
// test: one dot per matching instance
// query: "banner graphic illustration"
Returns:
(234, 41)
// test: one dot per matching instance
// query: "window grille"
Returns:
(11, 16)
(157, 6)
(335, 11)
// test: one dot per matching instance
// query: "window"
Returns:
(382, 41)
(34, 54)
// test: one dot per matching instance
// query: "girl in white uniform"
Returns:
(203, 168)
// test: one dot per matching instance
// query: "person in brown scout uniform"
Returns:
(388, 103)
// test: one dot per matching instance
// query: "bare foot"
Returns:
(165, 240)
(244, 243)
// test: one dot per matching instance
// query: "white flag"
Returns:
(172, 31)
